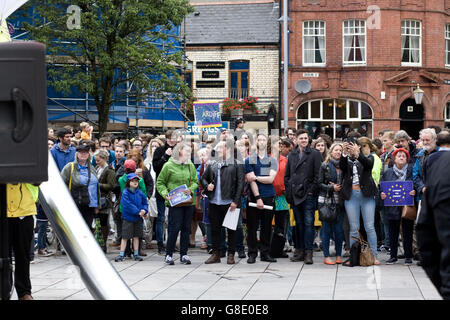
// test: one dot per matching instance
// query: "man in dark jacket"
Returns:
(160, 157)
(223, 183)
(433, 226)
(302, 184)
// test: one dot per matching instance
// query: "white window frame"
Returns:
(354, 63)
(411, 64)
(334, 121)
(447, 45)
(314, 64)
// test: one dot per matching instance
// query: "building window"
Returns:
(314, 52)
(411, 43)
(354, 48)
(335, 117)
(239, 79)
(447, 115)
(447, 45)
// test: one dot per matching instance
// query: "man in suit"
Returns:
(302, 184)
(433, 225)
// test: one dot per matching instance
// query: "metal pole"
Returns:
(285, 63)
(97, 273)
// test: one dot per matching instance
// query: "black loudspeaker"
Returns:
(23, 113)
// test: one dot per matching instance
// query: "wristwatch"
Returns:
(256, 178)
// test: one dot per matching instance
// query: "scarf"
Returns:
(335, 162)
(400, 173)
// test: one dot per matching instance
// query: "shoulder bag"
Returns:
(80, 194)
(366, 257)
(328, 210)
(409, 212)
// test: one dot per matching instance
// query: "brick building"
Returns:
(363, 60)
(233, 52)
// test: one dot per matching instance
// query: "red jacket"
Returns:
(278, 183)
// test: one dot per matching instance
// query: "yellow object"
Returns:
(291, 217)
(317, 222)
(4, 32)
(21, 199)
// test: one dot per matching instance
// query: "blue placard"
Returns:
(207, 114)
(193, 129)
(397, 193)
(178, 196)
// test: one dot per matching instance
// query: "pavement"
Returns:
(55, 278)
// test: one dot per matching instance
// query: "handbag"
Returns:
(366, 257)
(198, 211)
(328, 210)
(409, 212)
(81, 194)
(98, 233)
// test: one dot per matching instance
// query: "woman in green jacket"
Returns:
(179, 170)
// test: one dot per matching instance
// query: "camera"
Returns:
(351, 140)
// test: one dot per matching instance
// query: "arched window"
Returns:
(447, 115)
(335, 117)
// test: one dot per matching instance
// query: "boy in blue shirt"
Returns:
(134, 207)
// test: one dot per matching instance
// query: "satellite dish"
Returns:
(302, 86)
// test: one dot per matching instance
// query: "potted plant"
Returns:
(239, 107)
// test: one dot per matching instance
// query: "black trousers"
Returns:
(216, 214)
(407, 233)
(265, 217)
(20, 234)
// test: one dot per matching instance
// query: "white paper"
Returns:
(231, 219)
(252, 204)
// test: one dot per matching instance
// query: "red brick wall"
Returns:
(383, 57)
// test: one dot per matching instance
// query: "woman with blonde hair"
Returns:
(330, 180)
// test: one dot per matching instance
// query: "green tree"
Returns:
(110, 42)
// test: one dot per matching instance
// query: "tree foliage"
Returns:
(117, 41)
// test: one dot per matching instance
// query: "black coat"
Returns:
(302, 176)
(159, 159)
(365, 165)
(231, 181)
(395, 213)
(433, 226)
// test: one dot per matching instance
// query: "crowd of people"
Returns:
(278, 184)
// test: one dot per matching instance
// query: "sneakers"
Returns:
(185, 260)
(392, 261)
(45, 253)
(119, 258)
(137, 258)
(169, 261)
(408, 262)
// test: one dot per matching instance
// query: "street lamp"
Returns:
(418, 95)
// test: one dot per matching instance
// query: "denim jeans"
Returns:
(354, 207)
(42, 232)
(330, 229)
(180, 219)
(159, 227)
(304, 223)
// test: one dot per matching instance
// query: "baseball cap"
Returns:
(132, 176)
(83, 147)
(130, 164)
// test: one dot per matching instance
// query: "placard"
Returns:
(178, 196)
(210, 65)
(397, 193)
(207, 114)
(210, 74)
(210, 84)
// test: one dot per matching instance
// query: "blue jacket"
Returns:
(418, 171)
(132, 203)
(61, 156)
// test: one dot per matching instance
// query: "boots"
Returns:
(230, 259)
(309, 257)
(105, 233)
(214, 258)
(299, 255)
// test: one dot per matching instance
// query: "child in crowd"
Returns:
(134, 207)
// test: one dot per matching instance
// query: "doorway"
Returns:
(411, 118)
